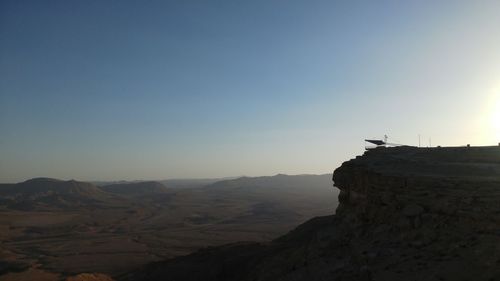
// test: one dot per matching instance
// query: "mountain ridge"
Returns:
(136, 188)
(47, 193)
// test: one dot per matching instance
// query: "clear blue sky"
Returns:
(105, 90)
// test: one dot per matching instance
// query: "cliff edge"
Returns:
(405, 213)
(424, 213)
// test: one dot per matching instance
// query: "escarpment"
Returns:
(405, 213)
(410, 188)
(424, 213)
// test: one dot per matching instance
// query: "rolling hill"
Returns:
(136, 188)
(47, 193)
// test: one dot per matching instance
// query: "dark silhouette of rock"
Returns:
(412, 210)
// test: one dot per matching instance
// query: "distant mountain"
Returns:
(185, 183)
(192, 183)
(104, 183)
(136, 188)
(279, 181)
(47, 193)
(278, 186)
(280, 197)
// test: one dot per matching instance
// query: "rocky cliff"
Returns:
(424, 214)
(405, 213)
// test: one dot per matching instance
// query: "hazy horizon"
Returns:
(167, 179)
(108, 90)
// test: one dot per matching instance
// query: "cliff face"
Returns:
(424, 214)
(406, 186)
(405, 214)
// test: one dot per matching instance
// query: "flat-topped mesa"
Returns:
(408, 187)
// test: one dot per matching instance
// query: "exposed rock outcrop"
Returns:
(405, 213)
(425, 214)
